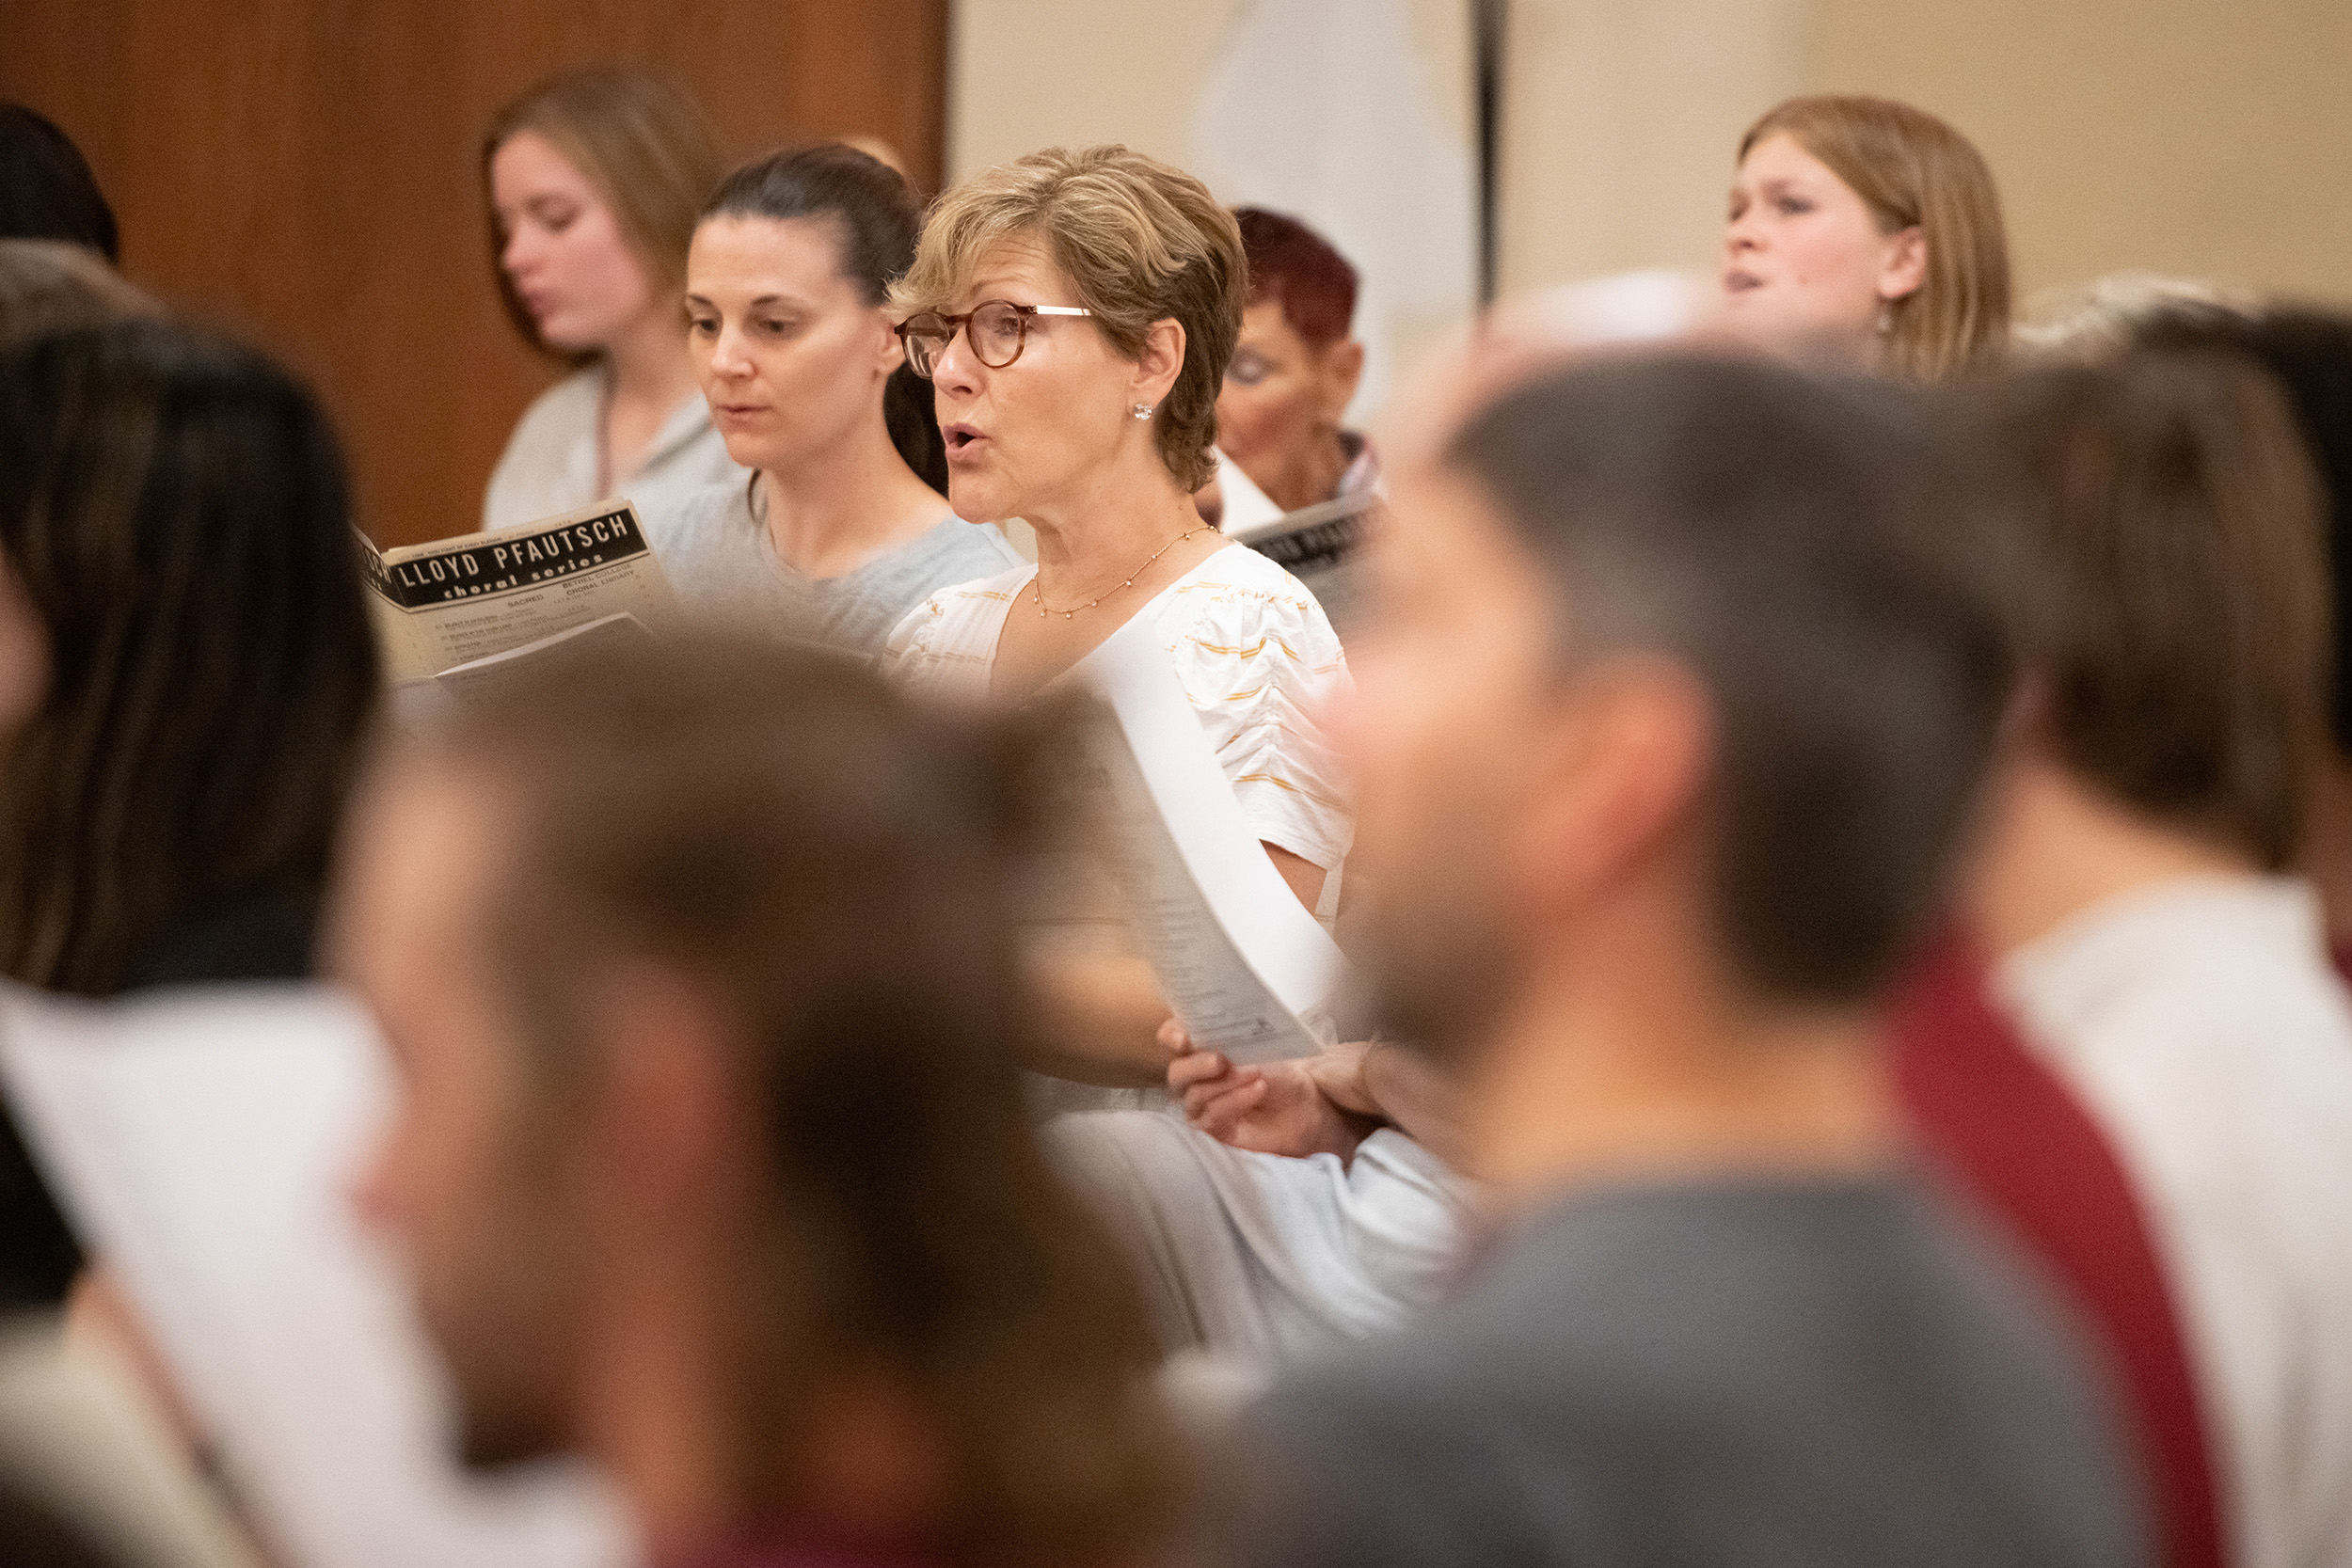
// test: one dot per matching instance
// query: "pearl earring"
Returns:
(1141, 410)
(1886, 317)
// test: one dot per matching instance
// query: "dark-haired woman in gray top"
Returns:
(842, 527)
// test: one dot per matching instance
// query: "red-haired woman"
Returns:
(1294, 369)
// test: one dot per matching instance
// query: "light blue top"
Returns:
(720, 561)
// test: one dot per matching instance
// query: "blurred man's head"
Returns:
(1697, 626)
(696, 966)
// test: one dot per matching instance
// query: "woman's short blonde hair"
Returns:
(1912, 170)
(642, 142)
(1141, 243)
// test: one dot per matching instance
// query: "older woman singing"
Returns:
(1074, 312)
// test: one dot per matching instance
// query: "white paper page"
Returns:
(1244, 965)
(205, 1142)
(479, 678)
(1246, 505)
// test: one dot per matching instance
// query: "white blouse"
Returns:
(1256, 656)
(2201, 1023)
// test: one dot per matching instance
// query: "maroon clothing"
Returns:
(2017, 1140)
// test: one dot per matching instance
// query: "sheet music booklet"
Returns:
(1322, 546)
(444, 610)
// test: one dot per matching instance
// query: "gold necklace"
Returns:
(1038, 594)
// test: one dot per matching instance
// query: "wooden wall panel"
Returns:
(304, 172)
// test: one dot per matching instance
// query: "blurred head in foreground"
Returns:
(49, 285)
(2179, 678)
(712, 1162)
(1867, 233)
(1295, 367)
(186, 664)
(1675, 701)
(46, 189)
(1685, 662)
(2112, 312)
(2308, 350)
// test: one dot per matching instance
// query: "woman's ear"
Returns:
(1903, 269)
(1343, 371)
(1162, 356)
(891, 351)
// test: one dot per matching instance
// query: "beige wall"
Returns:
(1387, 172)
(1619, 122)
(2211, 137)
(2208, 137)
(1023, 75)
(1620, 111)
(1029, 74)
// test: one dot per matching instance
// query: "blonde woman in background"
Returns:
(1867, 233)
(594, 180)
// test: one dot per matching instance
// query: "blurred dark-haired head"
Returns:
(1673, 610)
(40, 1528)
(809, 215)
(46, 189)
(2308, 349)
(175, 526)
(50, 285)
(2183, 666)
(706, 952)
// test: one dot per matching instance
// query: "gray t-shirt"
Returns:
(719, 559)
(1774, 1373)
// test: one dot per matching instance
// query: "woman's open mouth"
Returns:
(962, 439)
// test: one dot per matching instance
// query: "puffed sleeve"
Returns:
(1259, 661)
(910, 644)
(943, 646)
